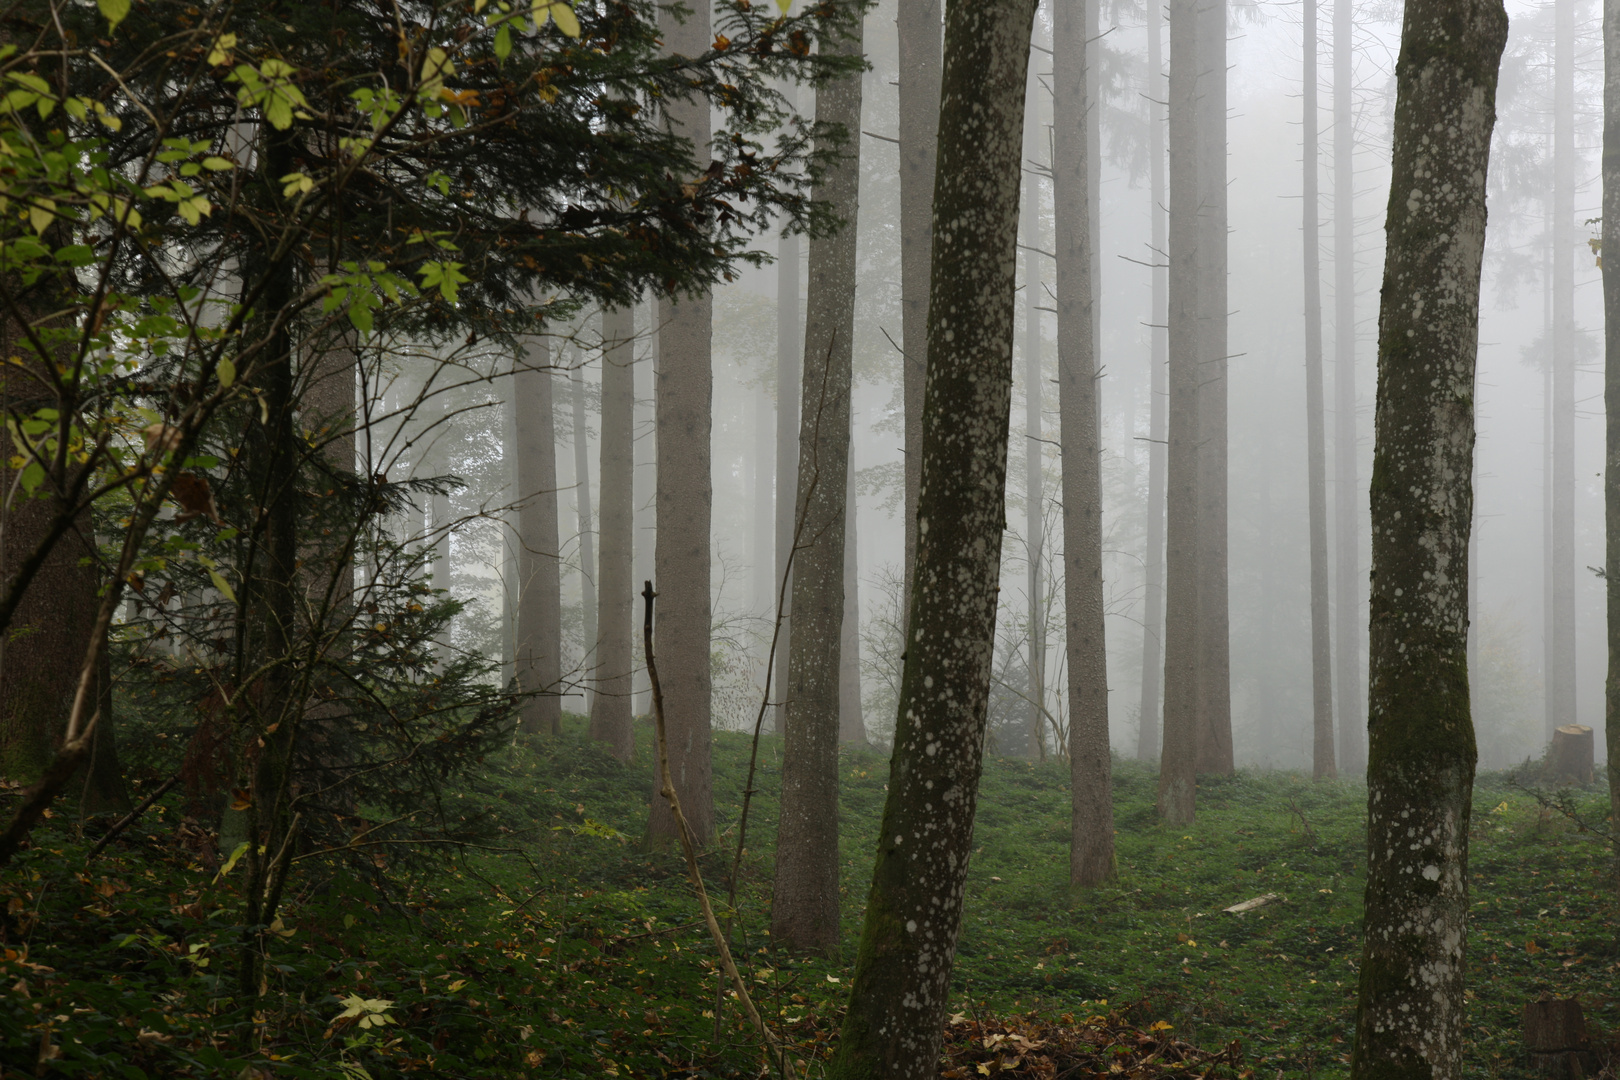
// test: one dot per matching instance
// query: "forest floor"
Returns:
(562, 949)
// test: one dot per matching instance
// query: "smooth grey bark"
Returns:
(587, 531)
(685, 500)
(1422, 753)
(1561, 675)
(1214, 644)
(1322, 759)
(646, 487)
(1178, 759)
(1611, 397)
(804, 898)
(898, 995)
(611, 711)
(789, 342)
(851, 713)
(1091, 848)
(1147, 734)
(1034, 382)
(1347, 586)
(918, 26)
(539, 579)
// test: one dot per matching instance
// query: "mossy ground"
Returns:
(570, 952)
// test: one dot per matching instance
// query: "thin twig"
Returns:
(130, 818)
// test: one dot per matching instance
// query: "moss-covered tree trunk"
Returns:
(1611, 395)
(611, 714)
(1421, 763)
(538, 654)
(804, 898)
(903, 972)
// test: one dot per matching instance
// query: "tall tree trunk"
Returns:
(1322, 763)
(1147, 739)
(646, 485)
(762, 527)
(1611, 398)
(1420, 771)
(509, 523)
(439, 508)
(918, 24)
(902, 976)
(1214, 645)
(1346, 505)
(804, 901)
(539, 579)
(1561, 677)
(611, 713)
(1034, 383)
(685, 500)
(588, 583)
(1179, 758)
(851, 713)
(1091, 848)
(788, 343)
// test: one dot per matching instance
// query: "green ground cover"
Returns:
(561, 949)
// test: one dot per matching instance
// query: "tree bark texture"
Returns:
(646, 495)
(1611, 399)
(1322, 760)
(895, 1021)
(788, 363)
(1561, 674)
(1422, 753)
(538, 651)
(804, 901)
(1347, 506)
(1178, 760)
(1214, 639)
(611, 712)
(587, 530)
(919, 34)
(1147, 735)
(1091, 849)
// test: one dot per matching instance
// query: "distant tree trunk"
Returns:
(918, 24)
(439, 509)
(902, 975)
(1214, 645)
(804, 900)
(587, 532)
(1347, 505)
(788, 343)
(685, 501)
(1611, 399)
(611, 712)
(646, 486)
(1561, 676)
(1034, 383)
(509, 523)
(1091, 849)
(539, 637)
(1147, 740)
(851, 714)
(1421, 764)
(1322, 763)
(762, 527)
(1179, 759)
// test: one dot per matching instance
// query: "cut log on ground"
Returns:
(1570, 757)
(1555, 1035)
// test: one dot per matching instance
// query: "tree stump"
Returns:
(1570, 757)
(1555, 1034)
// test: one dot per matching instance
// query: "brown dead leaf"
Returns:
(195, 497)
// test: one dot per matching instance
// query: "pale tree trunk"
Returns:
(587, 532)
(804, 900)
(918, 24)
(1611, 398)
(1322, 762)
(1561, 676)
(611, 712)
(902, 975)
(1214, 645)
(1347, 581)
(762, 527)
(1420, 770)
(685, 501)
(509, 522)
(851, 715)
(788, 343)
(439, 509)
(1034, 497)
(538, 663)
(1147, 739)
(1091, 848)
(1178, 759)
(646, 487)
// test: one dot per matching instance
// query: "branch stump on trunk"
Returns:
(1555, 1034)
(1570, 757)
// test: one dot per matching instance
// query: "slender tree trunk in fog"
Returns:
(646, 485)
(1091, 849)
(587, 532)
(804, 900)
(440, 509)
(1420, 771)
(1561, 676)
(1034, 381)
(896, 1016)
(918, 24)
(611, 712)
(1147, 739)
(685, 501)
(509, 524)
(788, 343)
(1322, 764)
(539, 660)
(1178, 760)
(1611, 396)
(851, 715)
(1347, 505)
(762, 529)
(1214, 644)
